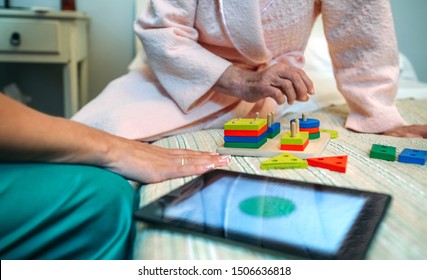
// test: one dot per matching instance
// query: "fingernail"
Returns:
(214, 154)
(210, 166)
(225, 158)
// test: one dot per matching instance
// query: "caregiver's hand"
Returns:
(27, 135)
(281, 82)
(149, 163)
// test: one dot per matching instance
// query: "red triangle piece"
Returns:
(334, 163)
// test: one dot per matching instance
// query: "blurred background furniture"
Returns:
(49, 37)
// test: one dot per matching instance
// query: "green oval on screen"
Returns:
(267, 206)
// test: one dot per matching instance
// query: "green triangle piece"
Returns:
(283, 161)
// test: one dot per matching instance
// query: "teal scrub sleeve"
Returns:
(64, 211)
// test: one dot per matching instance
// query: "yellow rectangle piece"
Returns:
(299, 139)
(245, 124)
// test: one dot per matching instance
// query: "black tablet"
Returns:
(308, 220)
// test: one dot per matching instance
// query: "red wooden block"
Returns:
(334, 163)
(245, 132)
(290, 147)
(311, 130)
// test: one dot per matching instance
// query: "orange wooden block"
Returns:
(290, 147)
(334, 163)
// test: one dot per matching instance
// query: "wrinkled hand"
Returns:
(281, 82)
(147, 163)
(409, 131)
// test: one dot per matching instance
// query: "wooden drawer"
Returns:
(29, 36)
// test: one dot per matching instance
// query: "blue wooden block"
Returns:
(309, 123)
(273, 128)
(245, 139)
(413, 156)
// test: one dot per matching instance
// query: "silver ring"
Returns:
(182, 161)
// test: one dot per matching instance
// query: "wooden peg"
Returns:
(304, 117)
(269, 120)
(293, 129)
(297, 124)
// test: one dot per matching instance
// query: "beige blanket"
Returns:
(401, 235)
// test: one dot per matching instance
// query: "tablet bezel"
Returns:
(354, 246)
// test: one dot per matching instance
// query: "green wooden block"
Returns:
(274, 134)
(332, 133)
(245, 124)
(313, 136)
(283, 161)
(245, 145)
(299, 139)
(383, 152)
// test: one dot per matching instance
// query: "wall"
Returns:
(410, 21)
(111, 40)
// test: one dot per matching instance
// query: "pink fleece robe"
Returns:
(190, 43)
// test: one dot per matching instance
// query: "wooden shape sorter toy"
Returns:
(252, 127)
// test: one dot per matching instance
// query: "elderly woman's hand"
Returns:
(409, 131)
(281, 82)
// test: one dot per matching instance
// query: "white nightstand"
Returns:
(48, 37)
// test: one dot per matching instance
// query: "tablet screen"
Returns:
(267, 211)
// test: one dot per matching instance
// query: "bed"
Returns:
(402, 233)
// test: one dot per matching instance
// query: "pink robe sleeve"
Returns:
(363, 48)
(184, 68)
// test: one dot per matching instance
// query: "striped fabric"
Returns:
(401, 235)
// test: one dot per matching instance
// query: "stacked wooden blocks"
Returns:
(250, 133)
(273, 128)
(294, 140)
(302, 131)
(245, 133)
(311, 126)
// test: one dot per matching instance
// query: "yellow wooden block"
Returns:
(299, 138)
(283, 161)
(245, 124)
(332, 133)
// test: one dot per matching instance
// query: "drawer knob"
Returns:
(15, 39)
